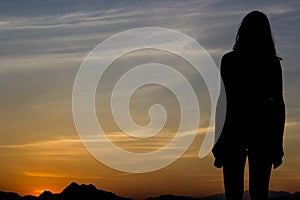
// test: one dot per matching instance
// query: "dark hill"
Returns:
(71, 192)
(90, 192)
(273, 195)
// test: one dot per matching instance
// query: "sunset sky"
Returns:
(43, 44)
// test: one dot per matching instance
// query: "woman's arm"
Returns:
(218, 149)
(278, 107)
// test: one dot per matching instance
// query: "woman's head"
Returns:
(254, 35)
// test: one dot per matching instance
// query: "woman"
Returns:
(255, 110)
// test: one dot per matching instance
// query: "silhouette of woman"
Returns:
(255, 110)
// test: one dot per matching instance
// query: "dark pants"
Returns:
(259, 175)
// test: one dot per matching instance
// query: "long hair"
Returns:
(254, 36)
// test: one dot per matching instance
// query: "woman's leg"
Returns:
(259, 175)
(233, 174)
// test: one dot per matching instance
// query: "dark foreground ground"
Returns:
(90, 192)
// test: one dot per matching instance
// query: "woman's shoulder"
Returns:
(229, 57)
(236, 55)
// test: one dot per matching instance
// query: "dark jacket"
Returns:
(255, 110)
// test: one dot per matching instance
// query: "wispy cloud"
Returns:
(62, 142)
(55, 175)
(46, 175)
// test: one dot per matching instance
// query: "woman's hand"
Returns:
(218, 163)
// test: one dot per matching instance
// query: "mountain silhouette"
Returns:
(90, 192)
(273, 195)
(71, 192)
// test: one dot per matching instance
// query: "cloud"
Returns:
(43, 144)
(57, 175)
(46, 175)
